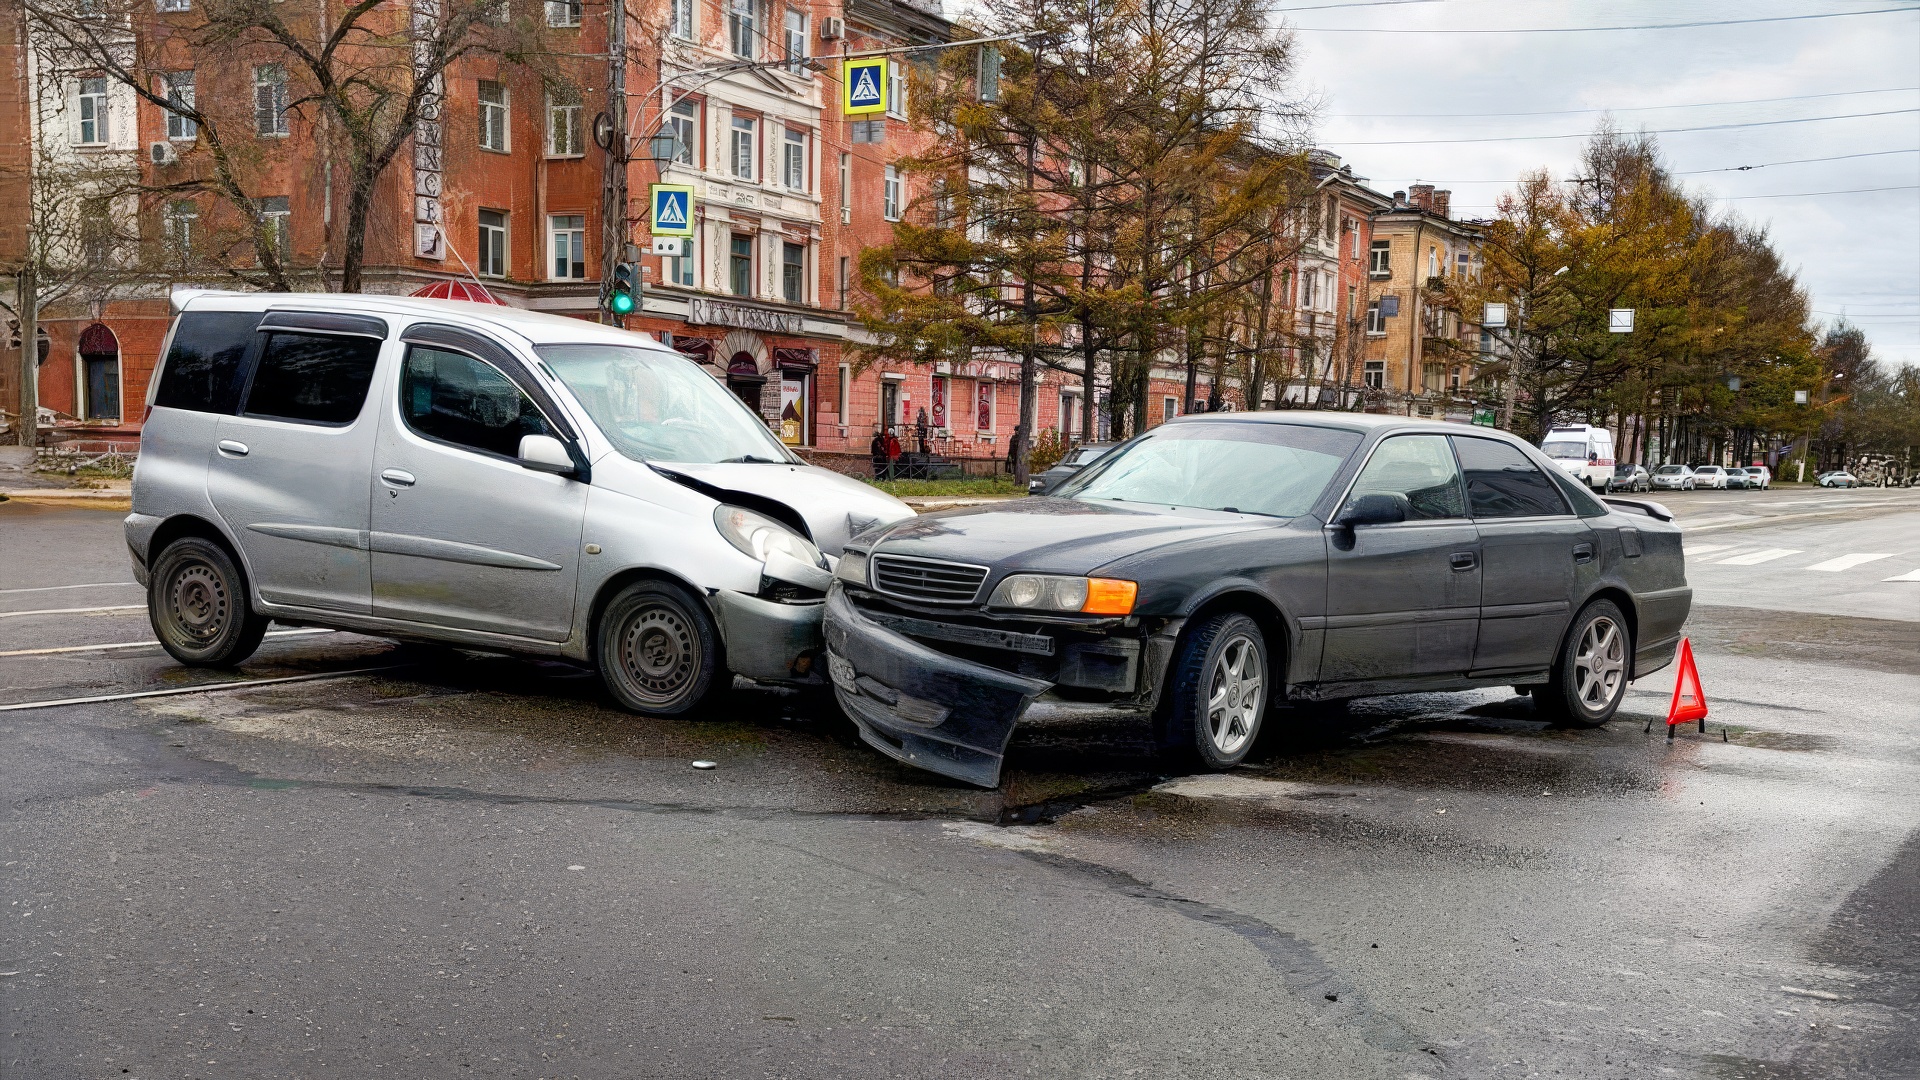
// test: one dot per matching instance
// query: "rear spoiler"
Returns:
(1640, 506)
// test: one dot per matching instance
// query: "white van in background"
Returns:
(1583, 450)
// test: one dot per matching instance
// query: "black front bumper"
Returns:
(925, 708)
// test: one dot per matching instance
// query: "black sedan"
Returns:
(1218, 564)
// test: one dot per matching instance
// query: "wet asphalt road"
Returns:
(472, 866)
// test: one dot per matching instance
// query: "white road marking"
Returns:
(1913, 576)
(72, 611)
(203, 689)
(1755, 558)
(93, 585)
(1848, 562)
(1708, 549)
(137, 644)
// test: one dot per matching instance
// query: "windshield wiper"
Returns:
(749, 459)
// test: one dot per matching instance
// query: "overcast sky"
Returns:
(1855, 253)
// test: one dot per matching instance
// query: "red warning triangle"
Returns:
(1689, 701)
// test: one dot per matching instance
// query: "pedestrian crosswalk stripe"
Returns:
(1708, 549)
(1848, 562)
(1911, 576)
(1754, 558)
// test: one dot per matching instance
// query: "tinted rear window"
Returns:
(312, 378)
(1503, 483)
(203, 367)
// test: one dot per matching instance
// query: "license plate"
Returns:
(840, 670)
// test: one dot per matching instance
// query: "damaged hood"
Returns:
(835, 507)
(1059, 536)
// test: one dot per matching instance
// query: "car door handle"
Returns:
(237, 449)
(1583, 553)
(397, 477)
(1463, 560)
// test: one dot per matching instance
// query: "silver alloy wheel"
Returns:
(1600, 663)
(659, 652)
(1235, 695)
(197, 602)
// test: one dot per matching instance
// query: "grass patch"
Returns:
(970, 485)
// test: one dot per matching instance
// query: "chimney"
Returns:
(1421, 195)
(1399, 199)
(1442, 203)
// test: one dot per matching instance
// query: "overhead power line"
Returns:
(1598, 29)
(1650, 131)
(1637, 108)
(1810, 194)
(1796, 161)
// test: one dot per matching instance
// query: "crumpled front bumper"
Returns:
(769, 641)
(925, 708)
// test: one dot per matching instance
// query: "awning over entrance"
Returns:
(455, 289)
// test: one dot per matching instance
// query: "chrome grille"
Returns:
(928, 580)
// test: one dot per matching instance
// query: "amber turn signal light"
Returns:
(1109, 596)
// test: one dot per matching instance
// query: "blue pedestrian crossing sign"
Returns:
(672, 210)
(863, 85)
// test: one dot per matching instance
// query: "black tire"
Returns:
(1590, 675)
(659, 652)
(197, 602)
(1215, 657)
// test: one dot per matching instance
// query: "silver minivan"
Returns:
(482, 476)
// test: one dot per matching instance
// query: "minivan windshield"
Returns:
(657, 407)
(1566, 450)
(1250, 468)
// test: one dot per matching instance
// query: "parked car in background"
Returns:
(1759, 476)
(1737, 479)
(1673, 478)
(1839, 478)
(1221, 563)
(1629, 478)
(1582, 451)
(482, 476)
(1076, 459)
(1709, 476)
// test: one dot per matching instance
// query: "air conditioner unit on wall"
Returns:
(162, 153)
(832, 29)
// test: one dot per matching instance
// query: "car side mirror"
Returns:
(544, 453)
(1379, 508)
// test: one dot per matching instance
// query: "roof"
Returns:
(536, 327)
(455, 289)
(1328, 418)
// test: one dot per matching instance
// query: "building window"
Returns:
(1353, 239)
(1307, 283)
(179, 87)
(93, 113)
(564, 135)
(1433, 262)
(1375, 375)
(843, 280)
(890, 204)
(685, 121)
(846, 190)
(568, 240)
(744, 145)
(896, 90)
(182, 217)
(276, 217)
(680, 18)
(793, 160)
(680, 268)
(740, 265)
(1169, 408)
(493, 243)
(1331, 219)
(1376, 321)
(840, 391)
(1353, 303)
(563, 12)
(983, 411)
(1378, 256)
(493, 116)
(793, 273)
(796, 34)
(270, 100)
(1463, 265)
(740, 27)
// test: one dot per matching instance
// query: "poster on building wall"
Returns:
(984, 421)
(938, 412)
(793, 409)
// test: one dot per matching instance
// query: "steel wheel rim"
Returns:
(1234, 695)
(1600, 663)
(197, 602)
(660, 653)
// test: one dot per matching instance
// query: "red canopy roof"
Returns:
(455, 289)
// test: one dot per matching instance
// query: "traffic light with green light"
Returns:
(622, 292)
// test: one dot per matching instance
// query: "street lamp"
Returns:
(664, 147)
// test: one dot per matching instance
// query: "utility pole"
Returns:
(613, 191)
